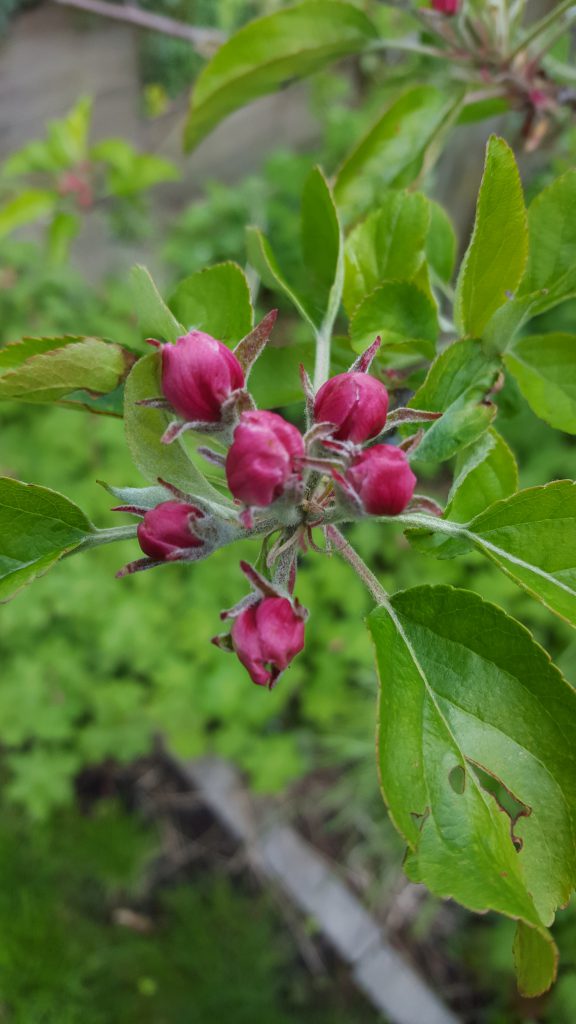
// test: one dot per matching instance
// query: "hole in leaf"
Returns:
(506, 800)
(457, 779)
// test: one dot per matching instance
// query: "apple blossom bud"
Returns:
(382, 479)
(168, 529)
(355, 403)
(266, 636)
(198, 375)
(263, 457)
(449, 7)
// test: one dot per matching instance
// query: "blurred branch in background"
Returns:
(204, 40)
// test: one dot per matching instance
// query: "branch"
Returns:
(205, 40)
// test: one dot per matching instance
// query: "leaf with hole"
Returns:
(477, 742)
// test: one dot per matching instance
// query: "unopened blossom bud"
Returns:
(266, 636)
(382, 479)
(355, 403)
(263, 457)
(198, 375)
(449, 7)
(168, 529)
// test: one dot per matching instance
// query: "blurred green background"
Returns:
(95, 669)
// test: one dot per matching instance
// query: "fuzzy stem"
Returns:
(201, 38)
(114, 533)
(358, 564)
(541, 26)
(322, 363)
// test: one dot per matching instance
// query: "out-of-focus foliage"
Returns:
(206, 952)
(59, 179)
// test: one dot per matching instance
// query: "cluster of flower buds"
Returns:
(284, 482)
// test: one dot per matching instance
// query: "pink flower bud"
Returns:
(382, 479)
(198, 375)
(262, 458)
(449, 7)
(355, 403)
(168, 529)
(266, 636)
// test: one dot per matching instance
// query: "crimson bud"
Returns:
(355, 403)
(168, 529)
(382, 479)
(198, 375)
(266, 636)
(262, 458)
(449, 7)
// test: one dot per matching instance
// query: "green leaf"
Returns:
(403, 316)
(322, 246)
(63, 229)
(544, 367)
(485, 472)
(155, 318)
(496, 257)
(33, 204)
(535, 959)
(263, 260)
(275, 377)
(551, 268)
(441, 242)
(395, 145)
(217, 301)
(48, 369)
(144, 429)
(67, 137)
(128, 171)
(37, 526)
(273, 50)
(456, 385)
(532, 537)
(477, 744)
(388, 246)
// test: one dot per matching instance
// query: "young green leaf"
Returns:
(551, 269)
(33, 204)
(535, 959)
(456, 385)
(388, 246)
(394, 149)
(273, 50)
(404, 317)
(441, 242)
(263, 260)
(532, 537)
(322, 246)
(217, 301)
(49, 369)
(485, 472)
(37, 526)
(144, 428)
(477, 741)
(544, 367)
(155, 318)
(496, 257)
